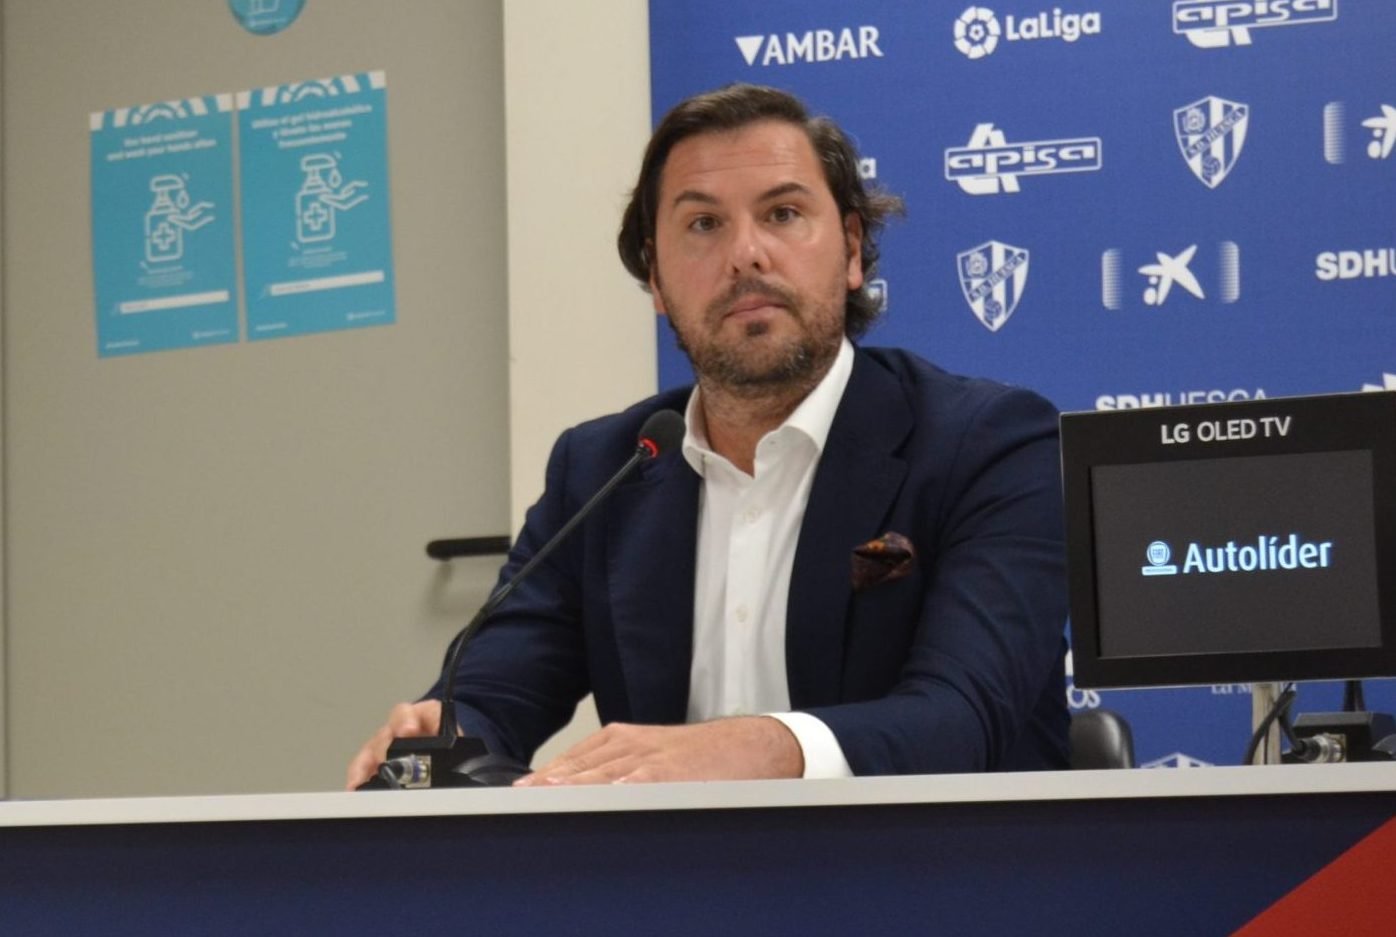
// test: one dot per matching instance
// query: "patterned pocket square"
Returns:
(885, 559)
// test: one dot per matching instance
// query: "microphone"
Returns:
(449, 759)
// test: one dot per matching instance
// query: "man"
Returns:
(854, 566)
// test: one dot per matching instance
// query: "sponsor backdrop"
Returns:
(1118, 203)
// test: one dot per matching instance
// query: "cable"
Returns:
(1281, 706)
(389, 776)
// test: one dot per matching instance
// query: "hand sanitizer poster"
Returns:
(164, 274)
(316, 239)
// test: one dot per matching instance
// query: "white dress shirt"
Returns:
(748, 526)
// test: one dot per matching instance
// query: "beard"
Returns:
(757, 363)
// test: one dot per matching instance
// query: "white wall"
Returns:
(581, 332)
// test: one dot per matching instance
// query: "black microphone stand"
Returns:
(445, 759)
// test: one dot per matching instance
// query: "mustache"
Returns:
(750, 286)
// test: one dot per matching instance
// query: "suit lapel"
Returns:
(651, 555)
(854, 487)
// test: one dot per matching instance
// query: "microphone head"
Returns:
(661, 432)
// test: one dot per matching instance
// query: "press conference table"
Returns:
(1089, 852)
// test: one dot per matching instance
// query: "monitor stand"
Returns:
(1263, 697)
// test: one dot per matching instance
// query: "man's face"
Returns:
(752, 262)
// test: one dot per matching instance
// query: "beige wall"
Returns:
(104, 635)
(581, 333)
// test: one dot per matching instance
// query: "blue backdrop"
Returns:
(1117, 203)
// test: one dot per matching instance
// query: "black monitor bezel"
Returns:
(1327, 423)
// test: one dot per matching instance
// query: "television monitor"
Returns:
(1251, 541)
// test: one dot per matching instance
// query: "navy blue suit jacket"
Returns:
(955, 667)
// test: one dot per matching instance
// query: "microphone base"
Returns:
(424, 763)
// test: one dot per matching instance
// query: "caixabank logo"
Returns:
(812, 46)
(1218, 24)
(1379, 126)
(1171, 275)
(979, 31)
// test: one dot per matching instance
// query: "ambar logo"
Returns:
(815, 45)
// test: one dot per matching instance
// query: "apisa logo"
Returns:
(1217, 24)
(811, 46)
(1388, 382)
(989, 164)
(978, 30)
(1210, 133)
(1169, 275)
(993, 277)
(1380, 135)
(1177, 760)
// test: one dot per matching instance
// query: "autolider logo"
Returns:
(1268, 552)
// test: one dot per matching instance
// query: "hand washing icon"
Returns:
(169, 216)
(321, 197)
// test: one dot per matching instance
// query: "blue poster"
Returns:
(1118, 204)
(265, 17)
(316, 240)
(162, 226)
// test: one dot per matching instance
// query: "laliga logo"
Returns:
(977, 31)
(1215, 24)
(993, 277)
(1211, 132)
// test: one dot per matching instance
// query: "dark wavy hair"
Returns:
(736, 106)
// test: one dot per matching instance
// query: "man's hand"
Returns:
(406, 720)
(740, 748)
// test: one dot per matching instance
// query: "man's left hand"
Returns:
(739, 748)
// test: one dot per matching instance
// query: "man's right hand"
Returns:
(405, 720)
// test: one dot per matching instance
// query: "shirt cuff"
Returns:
(823, 754)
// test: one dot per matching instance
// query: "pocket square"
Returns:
(884, 559)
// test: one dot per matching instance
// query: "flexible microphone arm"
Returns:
(414, 757)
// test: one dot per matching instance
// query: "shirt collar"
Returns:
(812, 418)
